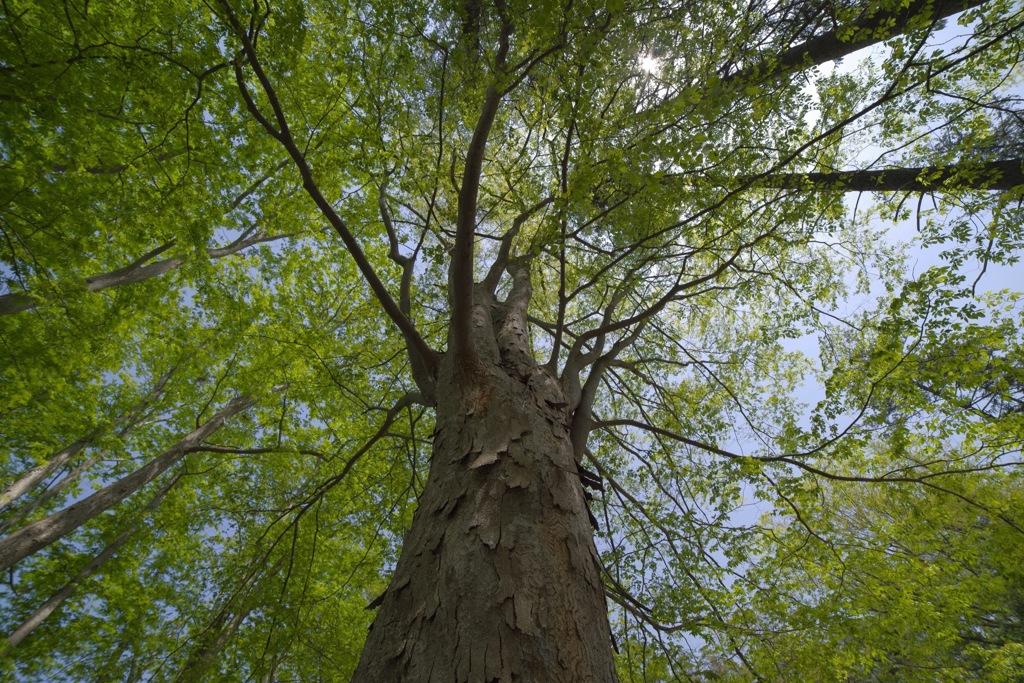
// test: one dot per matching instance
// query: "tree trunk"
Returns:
(43, 532)
(499, 578)
(64, 592)
(24, 483)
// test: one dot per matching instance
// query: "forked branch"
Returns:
(280, 131)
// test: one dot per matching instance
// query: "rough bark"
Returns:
(499, 578)
(43, 532)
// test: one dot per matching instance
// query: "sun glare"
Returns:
(649, 64)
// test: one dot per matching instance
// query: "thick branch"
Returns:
(465, 228)
(556, 346)
(43, 532)
(577, 358)
(513, 329)
(15, 302)
(866, 31)
(405, 262)
(422, 372)
(501, 261)
(992, 175)
(131, 276)
(130, 268)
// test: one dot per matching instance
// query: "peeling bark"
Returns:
(499, 576)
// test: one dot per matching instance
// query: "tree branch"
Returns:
(41, 533)
(501, 261)
(28, 480)
(999, 175)
(406, 263)
(136, 272)
(283, 134)
(461, 269)
(58, 597)
(866, 31)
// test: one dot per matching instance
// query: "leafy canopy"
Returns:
(204, 200)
